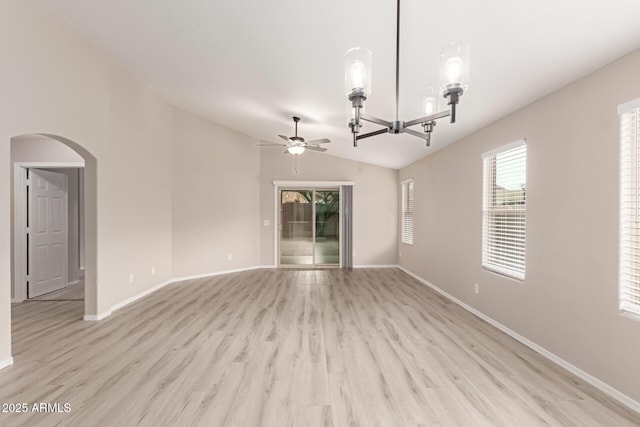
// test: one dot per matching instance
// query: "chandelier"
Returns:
(454, 80)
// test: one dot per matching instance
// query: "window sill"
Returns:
(503, 273)
(630, 315)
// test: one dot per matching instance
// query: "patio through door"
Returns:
(309, 227)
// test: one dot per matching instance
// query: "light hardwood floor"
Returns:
(289, 347)
(73, 292)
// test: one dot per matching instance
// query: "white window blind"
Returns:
(407, 212)
(504, 210)
(629, 276)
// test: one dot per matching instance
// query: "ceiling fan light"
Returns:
(296, 149)
(454, 67)
(357, 71)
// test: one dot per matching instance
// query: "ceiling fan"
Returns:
(296, 144)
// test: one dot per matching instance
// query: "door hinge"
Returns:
(28, 230)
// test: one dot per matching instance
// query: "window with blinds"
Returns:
(504, 210)
(629, 274)
(407, 212)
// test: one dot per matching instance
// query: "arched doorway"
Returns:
(47, 151)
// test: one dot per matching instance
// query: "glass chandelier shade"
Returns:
(454, 67)
(430, 102)
(357, 71)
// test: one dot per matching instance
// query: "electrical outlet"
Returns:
(153, 270)
(400, 254)
(131, 278)
(476, 288)
(266, 222)
(354, 253)
(230, 257)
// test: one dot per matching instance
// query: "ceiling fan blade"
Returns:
(319, 141)
(286, 138)
(314, 148)
(270, 144)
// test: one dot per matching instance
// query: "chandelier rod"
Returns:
(398, 60)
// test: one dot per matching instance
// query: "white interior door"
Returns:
(47, 232)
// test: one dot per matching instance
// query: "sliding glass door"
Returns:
(309, 227)
(296, 227)
(327, 215)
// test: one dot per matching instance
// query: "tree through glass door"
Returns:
(309, 227)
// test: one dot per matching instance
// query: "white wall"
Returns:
(568, 303)
(35, 148)
(375, 196)
(215, 197)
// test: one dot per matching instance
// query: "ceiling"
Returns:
(251, 65)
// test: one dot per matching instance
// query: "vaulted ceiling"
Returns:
(250, 65)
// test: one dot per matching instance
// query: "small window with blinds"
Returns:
(407, 212)
(504, 210)
(629, 273)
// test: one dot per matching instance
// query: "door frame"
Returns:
(20, 223)
(306, 185)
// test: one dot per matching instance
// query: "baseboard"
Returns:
(138, 296)
(376, 266)
(218, 273)
(6, 362)
(16, 301)
(75, 282)
(96, 317)
(149, 291)
(600, 385)
(196, 276)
